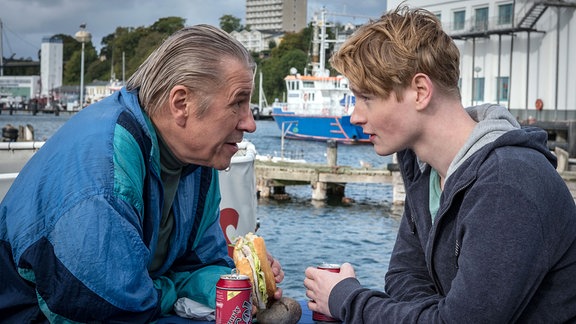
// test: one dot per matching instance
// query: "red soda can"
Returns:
(233, 299)
(319, 316)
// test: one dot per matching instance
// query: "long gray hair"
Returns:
(192, 57)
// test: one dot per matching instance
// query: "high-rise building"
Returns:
(276, 15)
(51, 65)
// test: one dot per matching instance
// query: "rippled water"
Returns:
(300, 232)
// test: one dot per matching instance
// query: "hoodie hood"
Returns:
(492, 122)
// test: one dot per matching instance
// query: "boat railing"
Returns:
(32, 145)
(316, 108)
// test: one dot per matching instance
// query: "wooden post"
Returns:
(571, 138)
(332, 153)
(319, 191)
(398, 190)
(329, 191)
(563, 163)
(263, 188)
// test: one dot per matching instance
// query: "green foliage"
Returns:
(275, 68)
(71, 73)
(291, 52)
(128, 44)
(229, 23)
(168, 25)
(136, 43)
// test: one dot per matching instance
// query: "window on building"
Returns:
(505, 14)
(481, 19)
(502, 91)
(478, 94)
(294, 85)
(439, 16)
(459, 19)
(308, 84)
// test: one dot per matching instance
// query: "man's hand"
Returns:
(278, 274)
(278, 277)
(319, 284)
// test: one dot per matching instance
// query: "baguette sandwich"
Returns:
(251, 259)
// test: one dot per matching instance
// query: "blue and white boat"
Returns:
(318, 106)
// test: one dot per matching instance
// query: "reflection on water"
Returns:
(299, 232)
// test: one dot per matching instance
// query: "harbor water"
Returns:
(300, 232)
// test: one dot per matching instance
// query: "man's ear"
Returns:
(178, 103)
(423, 86)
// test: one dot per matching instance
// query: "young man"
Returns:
(116, 216)
(488, 233)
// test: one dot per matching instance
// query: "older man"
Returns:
(117, 215)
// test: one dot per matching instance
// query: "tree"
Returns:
(168, 25)
(135, 44)
(122, 51)
(71, 73)
(277, 67)
(229, 23)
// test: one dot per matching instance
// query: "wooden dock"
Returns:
(327, 181)
(561, 134)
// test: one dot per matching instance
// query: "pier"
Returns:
(327, 181)
(561, 134)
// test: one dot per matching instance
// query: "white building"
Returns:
(51, 65)
(276, 15)
(255, 40)
(16, 89)
(515, 53)
(99, 90)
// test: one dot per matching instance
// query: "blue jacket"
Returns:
(502, 248)
(79, 226)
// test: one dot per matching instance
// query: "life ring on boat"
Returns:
(324, 111)
(539, 104)
(284, 107)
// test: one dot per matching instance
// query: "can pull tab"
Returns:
(234, 273)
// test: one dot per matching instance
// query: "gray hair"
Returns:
(192, 57)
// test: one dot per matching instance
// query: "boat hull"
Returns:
(318, 127)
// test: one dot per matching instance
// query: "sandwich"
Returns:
(251, 259)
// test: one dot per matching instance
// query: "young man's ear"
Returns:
(178, 104)
(422, 84)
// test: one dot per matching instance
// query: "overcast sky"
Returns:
(26, 22)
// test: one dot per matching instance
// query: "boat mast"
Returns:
(1, 50)
(315, 46)
(112, 74)
(319, 64)
(260, 92)
(323, 43)
(319, 45)
(123, 68)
